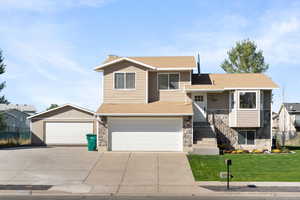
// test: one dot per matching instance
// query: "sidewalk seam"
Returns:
(94, 165)
(123, 175)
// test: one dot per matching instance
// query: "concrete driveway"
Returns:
(109, 172)
(142, 173)
(46, 166)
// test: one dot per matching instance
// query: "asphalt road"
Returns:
(140, 198)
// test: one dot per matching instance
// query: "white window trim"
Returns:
(124, 81)
(246, 137)
(234, 99)
(168, 81)
(249, 91)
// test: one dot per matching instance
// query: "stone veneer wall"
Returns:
(103, 134)
(187, 127)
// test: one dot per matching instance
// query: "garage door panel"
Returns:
(146, 134)
(67, 132)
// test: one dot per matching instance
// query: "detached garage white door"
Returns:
(68, 132)
(145, 134)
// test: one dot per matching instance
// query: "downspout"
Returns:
(97, 130)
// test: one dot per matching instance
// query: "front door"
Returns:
(199, 107)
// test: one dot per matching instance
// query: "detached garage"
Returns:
(64, 125)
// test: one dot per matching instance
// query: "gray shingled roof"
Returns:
(292, 107)
(20, 107)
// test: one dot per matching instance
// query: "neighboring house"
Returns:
(28, 109)
(289, 121)
(15, 116)
(158, 104)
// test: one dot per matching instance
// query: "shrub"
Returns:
(227, 151)
(257, 151)
(239, 151)
(234, 152)
(276, 151)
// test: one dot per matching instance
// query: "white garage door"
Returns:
(67, 132)
(145, 134)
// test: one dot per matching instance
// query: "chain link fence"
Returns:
(13, 136)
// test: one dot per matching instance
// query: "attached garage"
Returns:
(145, 134)
(64, 125)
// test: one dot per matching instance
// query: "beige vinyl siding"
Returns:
(248, 118)
(168, 95)
(137, 95)
(65, 114)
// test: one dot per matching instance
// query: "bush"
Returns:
(257, 151)
(276, 151)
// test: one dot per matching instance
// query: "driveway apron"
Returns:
(142, 172)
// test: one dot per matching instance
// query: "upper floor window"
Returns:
(168, 81)
(247, 100)
(124, 80)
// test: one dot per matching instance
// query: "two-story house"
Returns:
(159, 104)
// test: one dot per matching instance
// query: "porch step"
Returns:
(205, 150)
(211, 142)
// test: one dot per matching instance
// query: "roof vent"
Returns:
(198, 64)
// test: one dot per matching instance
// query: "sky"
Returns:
(51, 46)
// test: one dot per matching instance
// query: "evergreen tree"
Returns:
(52, 106)
(2, 85)
(245, 58)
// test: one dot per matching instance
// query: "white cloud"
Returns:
(280, 37)
(49, 5)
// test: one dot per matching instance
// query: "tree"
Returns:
(2, 122)
(2, 85)
(52, 106)
(245, 58)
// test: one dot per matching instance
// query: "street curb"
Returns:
(203, 194)
(244, 183)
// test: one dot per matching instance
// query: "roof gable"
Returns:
(61, 107)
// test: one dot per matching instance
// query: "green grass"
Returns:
(248, 167)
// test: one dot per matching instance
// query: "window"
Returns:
(124, 80)
(247, 100)
(246, 137)
(168, 81)
(198, 98)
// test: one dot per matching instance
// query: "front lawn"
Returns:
(248, 167)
